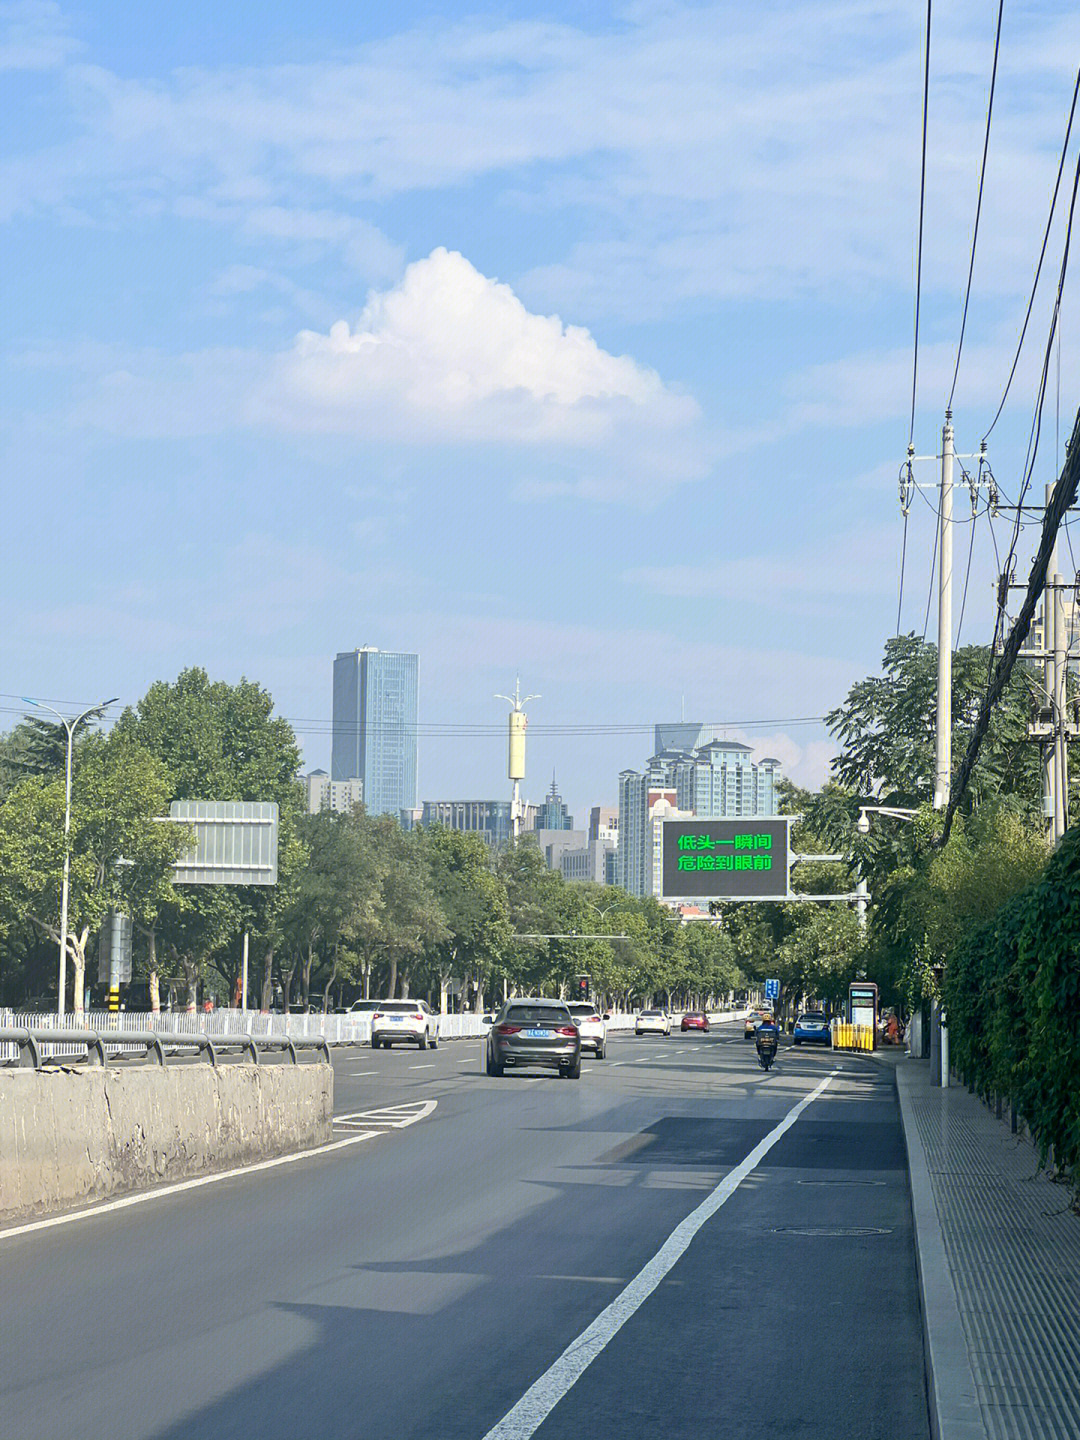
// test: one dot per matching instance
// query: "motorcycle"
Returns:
(766, 1052)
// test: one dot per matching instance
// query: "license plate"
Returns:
(538, 1034)
(397, 1019)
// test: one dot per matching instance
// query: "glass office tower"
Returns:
(374, 740)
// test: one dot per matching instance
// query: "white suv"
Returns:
(590, 1024)
(413, 1021)
(653, 1022)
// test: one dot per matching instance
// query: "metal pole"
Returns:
(1049, 747)
(862, 896)
(62, 988)
(1061, 753)
(943, 732)
(244, 976)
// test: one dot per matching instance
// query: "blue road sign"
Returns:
(772, 989)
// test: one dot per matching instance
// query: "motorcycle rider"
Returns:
(768, 1034)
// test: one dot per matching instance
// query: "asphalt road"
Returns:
(416, 1285)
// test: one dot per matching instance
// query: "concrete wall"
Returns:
(72, 1136)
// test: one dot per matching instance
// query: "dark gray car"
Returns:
(534, 1032)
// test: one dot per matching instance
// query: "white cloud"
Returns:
(450, 353)
(34, 36)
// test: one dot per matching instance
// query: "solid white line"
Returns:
(423, 1067)
(540, 1399)
(357, 1073)
(162, 1192)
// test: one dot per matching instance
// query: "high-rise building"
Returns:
(553, 813)
(374, 739)
(716, 780)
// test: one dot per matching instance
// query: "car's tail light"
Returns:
(419, 1017)
(566, 1030)
(377, 1015)
(593, 1020)
(508, 1029)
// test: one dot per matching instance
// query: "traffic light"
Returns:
(583, 987)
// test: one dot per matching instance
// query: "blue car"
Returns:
(812, 1027)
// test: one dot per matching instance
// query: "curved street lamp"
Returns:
(70, 726)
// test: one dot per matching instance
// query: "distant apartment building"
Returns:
(595, 860)
(557, 843)
(715, 780)
(336, 795)
(374, 726)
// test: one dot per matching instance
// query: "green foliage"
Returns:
(886, 728)
(1012, 992)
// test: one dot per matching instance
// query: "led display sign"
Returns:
(726, 859)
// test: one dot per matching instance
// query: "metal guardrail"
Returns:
(31, 1045)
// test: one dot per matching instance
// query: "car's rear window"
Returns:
(651, 1014)
(395, 1007)
(537, 1015)
(581, 1009)
(814, 1015)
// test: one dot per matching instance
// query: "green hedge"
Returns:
(1012, 994)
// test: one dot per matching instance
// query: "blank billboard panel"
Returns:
(236, 842)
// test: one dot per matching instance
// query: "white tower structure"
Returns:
(515, 763)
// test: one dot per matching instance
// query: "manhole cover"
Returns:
(831, 1230)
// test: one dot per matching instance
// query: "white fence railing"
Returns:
(334, 1029)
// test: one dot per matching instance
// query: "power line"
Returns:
(488, 729)
(967, 577)
(922, 213)
(1040, 399)
(978, 204)
(1042, 257)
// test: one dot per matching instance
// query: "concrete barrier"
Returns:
(69, 1137)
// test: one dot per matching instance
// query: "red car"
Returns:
(695, 1020)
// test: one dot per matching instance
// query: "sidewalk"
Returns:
(999, 1269)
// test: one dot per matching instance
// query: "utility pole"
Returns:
(983, 479)
(939, 1052)
(1052, 726)
(943, 728)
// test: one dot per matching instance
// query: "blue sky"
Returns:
(566, 341)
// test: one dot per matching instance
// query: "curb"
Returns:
(955, 1412)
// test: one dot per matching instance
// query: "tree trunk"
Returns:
(305, 973)
(268, 979)
(443, 978)
(391, 992)
(77, 946)
(405, 983)
(334, 968)
(153, 979)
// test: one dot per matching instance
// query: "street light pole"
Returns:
(70, 726)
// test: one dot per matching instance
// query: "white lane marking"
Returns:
(423, 1067)
(396, 1117)
(587, 1069)
(355, 1075)
(162, 1192)
(530, 1412)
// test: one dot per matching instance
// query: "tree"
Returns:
(223, 742)
(118, 790)
(472, 901)
(886, 728)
